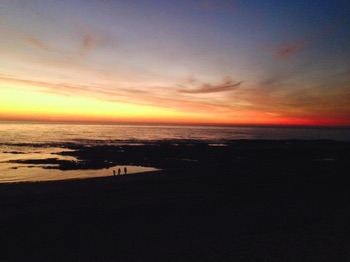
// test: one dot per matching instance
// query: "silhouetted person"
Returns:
(125, 170)
(113, 172)
(119, 171)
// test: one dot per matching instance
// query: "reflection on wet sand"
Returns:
(25, 173)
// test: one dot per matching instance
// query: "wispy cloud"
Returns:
(227, 85)
(87, 37)
(106, 92)
(47, 87)
(26, 39)
(162, 97)
(88, 43)
(326, 100)
(291, 49)
(36, 43)
(286, 52)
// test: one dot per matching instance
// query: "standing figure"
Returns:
(119, 171)
(113, 172)
(125, 170)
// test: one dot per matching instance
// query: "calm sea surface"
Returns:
(17, 132)
(23, 140)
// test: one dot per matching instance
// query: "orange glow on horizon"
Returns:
(22, 104)
(167, 120)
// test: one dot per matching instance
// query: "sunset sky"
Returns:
(225, 62)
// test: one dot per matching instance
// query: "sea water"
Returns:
(35, 140)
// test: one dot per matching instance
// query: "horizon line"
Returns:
(154, 123)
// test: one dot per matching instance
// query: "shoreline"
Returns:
(38, 174)
(166, 155)
(57, 122)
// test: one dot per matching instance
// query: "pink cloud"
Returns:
(87, 39)
(89, 42)
(288, 51)
(293, 48)
(36, 42)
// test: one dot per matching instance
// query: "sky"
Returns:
(187, 61)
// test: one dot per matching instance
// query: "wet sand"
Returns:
(245, 201)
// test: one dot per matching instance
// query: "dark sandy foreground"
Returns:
(250, 201)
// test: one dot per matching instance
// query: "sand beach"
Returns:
(244, 201)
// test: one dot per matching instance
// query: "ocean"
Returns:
(34, 140)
